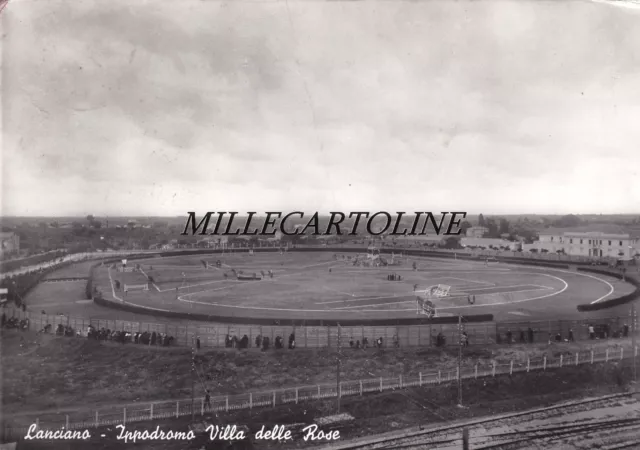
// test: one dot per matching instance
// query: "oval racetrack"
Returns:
(327, 285)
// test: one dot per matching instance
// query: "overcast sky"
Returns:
(162, 107)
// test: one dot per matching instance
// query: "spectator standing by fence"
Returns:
(292, 341)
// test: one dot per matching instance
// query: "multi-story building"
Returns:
(607, 242)
(476, 232)
(9, 243)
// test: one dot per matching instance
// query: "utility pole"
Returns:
(193, 379)
(338, 390)
(460, 360)
(633, 338)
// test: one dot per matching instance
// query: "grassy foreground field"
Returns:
(44, 372)
(427, 406)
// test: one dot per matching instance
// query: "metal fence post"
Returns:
(177, 409)
(420, 378)
(67, 422)
(621, 352)
(226, 402)
(151, 412)
(296, 396)
(318, 391)
(380, 384)
(274, 399)
(577, 358)
(202, 406)
(124, 421)
(511, 368)
(544, 363)
(607, 356)
(476, 372)
(430, 340)
(250, 400)
(439, 377)
(561, 360)
(400, 381)
(360, 387)
(528, 364)
(96, 423)
(494, 369)
(592, 356)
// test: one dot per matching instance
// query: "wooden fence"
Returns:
(83, 419)
(214, 335)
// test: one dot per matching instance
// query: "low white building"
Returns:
(276, 238)
(601, 242)
(476, 232)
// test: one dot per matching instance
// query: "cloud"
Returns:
(468, 105)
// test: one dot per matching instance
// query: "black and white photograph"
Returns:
(319, 224)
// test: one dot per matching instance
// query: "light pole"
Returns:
(338, 390)
(193, 378)
(460, 360)
(633, 339)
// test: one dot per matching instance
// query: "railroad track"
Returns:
(551, 434)
(516, 431)
(524, 439)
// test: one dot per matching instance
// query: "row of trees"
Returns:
(502, 228)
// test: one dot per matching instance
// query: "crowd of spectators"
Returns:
(102, 334)
(14, 322)
(263, 342)
(601, 331)
(378, 343)
(123, 337)
(16, 264)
